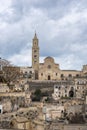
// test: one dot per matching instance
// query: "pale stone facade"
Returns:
(27, 72)
(76, 88)
(52, 112)
(63, 91)
(4, 88)
(49, 70)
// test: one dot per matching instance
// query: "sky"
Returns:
(61, 27)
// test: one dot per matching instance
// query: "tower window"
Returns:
(35, 43)
(35, 50)
(35, 56)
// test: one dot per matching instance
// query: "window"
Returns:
(62, 75)
(69, 75)
(30, 72)
(77, 75)
(59, 87)
(25, 72)
(77, 87)
(56, 74)
(66, 87)
(49, 66)
(65, 91)
(56, 86)
(65, 95)
(35, 56)
(35, 50)
(41, 74)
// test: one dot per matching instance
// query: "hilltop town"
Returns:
(42, 96)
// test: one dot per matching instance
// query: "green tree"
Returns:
(37, 95)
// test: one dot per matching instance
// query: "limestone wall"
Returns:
(75, 127)
(15, 94)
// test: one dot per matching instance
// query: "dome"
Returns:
(49, 59)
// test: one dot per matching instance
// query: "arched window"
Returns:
(62, 75)
(49, 78)
(69, 75)
(71, 93)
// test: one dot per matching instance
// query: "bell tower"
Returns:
(35, 55)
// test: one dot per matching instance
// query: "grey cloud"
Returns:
(60, 25)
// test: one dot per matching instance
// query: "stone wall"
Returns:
(15, 94)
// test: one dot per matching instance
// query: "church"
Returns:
(49, 70)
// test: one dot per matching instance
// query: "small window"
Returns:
(62, 75)
(69, 75)
(41, 74)
(59, 87)
(56, 86)
(35, 56)
(35, 50)
(65, 95)
(65, 91)
(56, 74)
(49, 66)
(77, 87)
(30, 72)
(77, 75)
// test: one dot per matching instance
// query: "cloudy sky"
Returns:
(61, 27)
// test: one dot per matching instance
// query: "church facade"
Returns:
(49, 70)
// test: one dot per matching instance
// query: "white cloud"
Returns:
(21, 59)
(69, 62)
(4, 5)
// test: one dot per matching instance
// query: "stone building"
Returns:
(21, 123)
(77, 87)
(35, 56)
(4, 88)
(52, 112)
(27, 72)
(63, 91)
(81, 86)
(49, 70)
